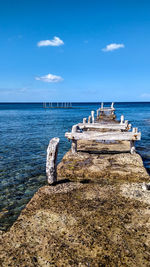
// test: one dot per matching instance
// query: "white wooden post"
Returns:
(84, 120)
(102, 106)
(112, 105)
(97, 113)
(121, 119)
(74, 146)
(132, 147)
(135, 130)
(74, 128)
(92, 115)
(129, 126)
(132, 143)
(74, 142)
(51, 168)
(89, 119)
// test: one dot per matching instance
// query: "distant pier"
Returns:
(57, 105)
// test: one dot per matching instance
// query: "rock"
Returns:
(102, 162)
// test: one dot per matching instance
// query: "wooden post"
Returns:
(84, 120)
(89, 119)
(97, 113)
(51, 168)
(132, 143)
(135, 130)
(74, 142)
(112, 105)
(129, 126)
(74, 146)
(132, 147)
(92, 115)
(102, 106)
(121, 119)
(74, 128)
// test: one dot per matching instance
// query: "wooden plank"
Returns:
(103, 126)
(109, 136)
(107, 109)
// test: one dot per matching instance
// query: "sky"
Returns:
(74, 50)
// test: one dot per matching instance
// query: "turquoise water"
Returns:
(25, 131)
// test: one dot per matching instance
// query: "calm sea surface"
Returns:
(25, 131)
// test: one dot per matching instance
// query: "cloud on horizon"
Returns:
(145, 95)
(56, 41)
(49, 78)
(112, 47)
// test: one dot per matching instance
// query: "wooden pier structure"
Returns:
(106, 112)
(66, 105)
(103, 128)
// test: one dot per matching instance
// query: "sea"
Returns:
(25, 132)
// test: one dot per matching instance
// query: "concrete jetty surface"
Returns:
(98, 214)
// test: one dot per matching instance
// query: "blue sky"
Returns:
(95, 50)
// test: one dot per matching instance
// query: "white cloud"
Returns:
(145, 95)
(56, 41)
(49, 78)
(112, 47)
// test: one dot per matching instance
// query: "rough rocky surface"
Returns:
(111, 161)
(100, 216)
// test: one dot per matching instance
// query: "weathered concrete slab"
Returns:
(97, 166)
(75, 224)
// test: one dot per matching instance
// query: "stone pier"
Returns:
(98, 213)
